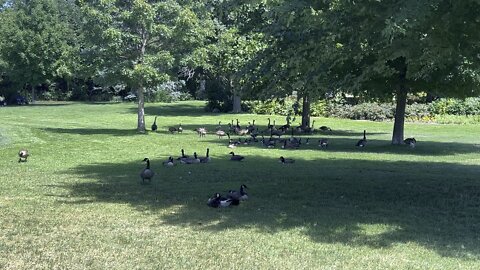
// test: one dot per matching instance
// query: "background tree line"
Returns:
(227, 50)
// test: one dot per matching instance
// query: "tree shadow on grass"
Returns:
(352, 202)
(94, 131)
(174, 109)
(422, 148)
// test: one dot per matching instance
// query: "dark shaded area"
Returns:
(174, 109)
(336, 144)
(432, 204)
(56, 104)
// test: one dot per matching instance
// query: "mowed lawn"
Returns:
(79, 202)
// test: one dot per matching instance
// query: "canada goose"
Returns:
(231, 195)
(286, 160)
(219, 127)
(325, 128)
(238, 125)
(236, 157)
(191, 160)
(410, 141)
(277, 132)
(179, 129)
(218, 201)
(238, 196)
(220, 133)
(271, 143)
(147, 173)
(362, 142)
(268, 125)
(242, 132)
(309, 129)
(323, 143)
(251, 127)
(23, 155)
(154, 125)
(231, 144)
(284, 128)
(183, 155)
(172, 129)
(207, 158)
(201, 131)
(169, 162)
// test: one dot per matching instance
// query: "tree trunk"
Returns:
(237, 104)
(141, 110)
(401, 100)
(306, 111)
(237, 101)
(201, 91)
(33, 94)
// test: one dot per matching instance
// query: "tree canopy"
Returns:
(381, 49)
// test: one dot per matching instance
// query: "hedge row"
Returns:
(370, 111)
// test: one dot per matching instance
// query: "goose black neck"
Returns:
(148, 164)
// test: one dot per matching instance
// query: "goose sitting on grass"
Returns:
(240, 195)
(286, 160)
(147, 173)
(190, 160)
(207, 158)
(325, 128)
(411, 142)
(323, 143)
(236, 157)
(218, 201)
(183, 155)
(23, 155)
(169, 162)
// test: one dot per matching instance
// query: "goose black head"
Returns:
(146, 159)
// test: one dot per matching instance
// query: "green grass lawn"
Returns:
(79, 202)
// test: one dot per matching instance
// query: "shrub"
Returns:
(167, 92)
(469, 106)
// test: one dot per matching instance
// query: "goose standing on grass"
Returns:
(218, 201)
(179, 129)
(286, 160)
(410, 141)
(154, 125)
(220, 133)
(23, 155)
(147, 173)
(207, 158)
(362, 142)
(236, 157)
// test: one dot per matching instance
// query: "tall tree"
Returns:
(136, 42)
(297, 55)
(38, 41)
(235, 44)
(391, 47)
